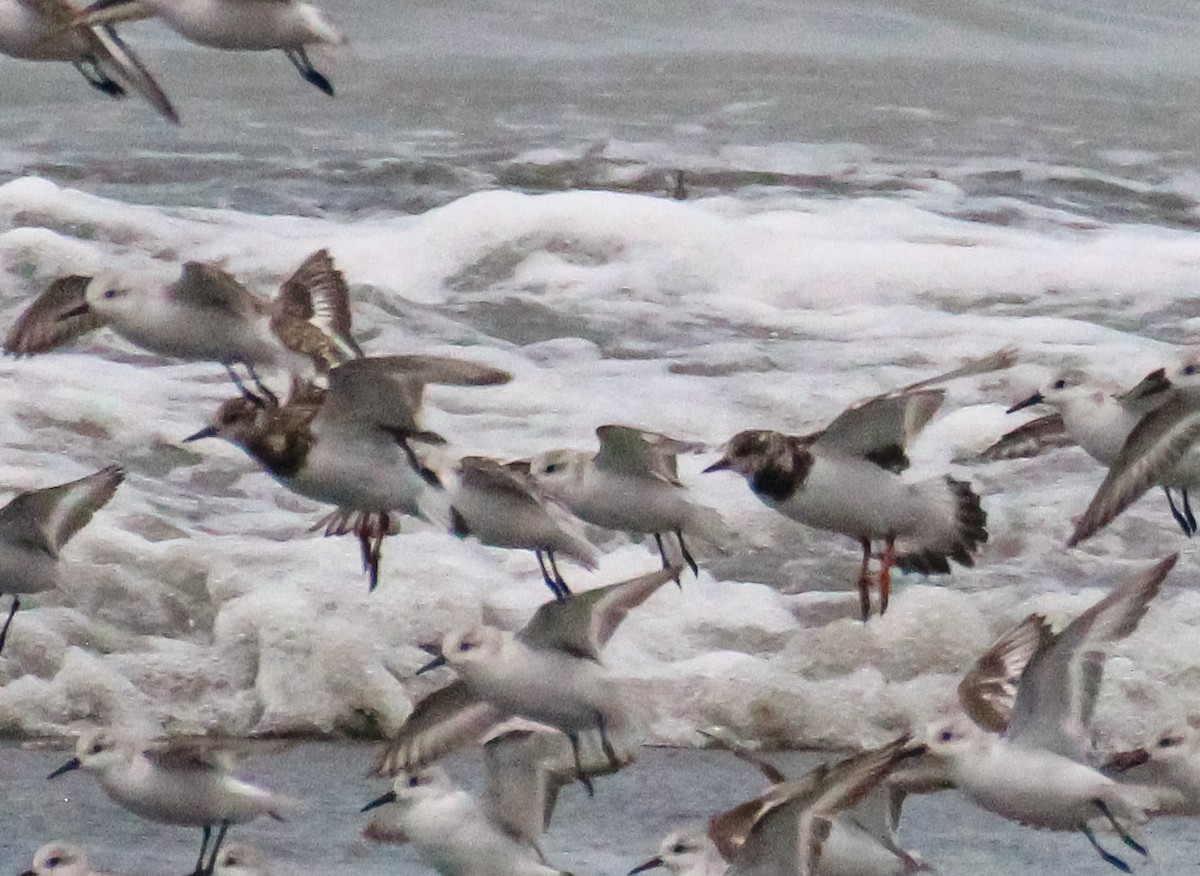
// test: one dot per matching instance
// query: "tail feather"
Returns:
(970, 531)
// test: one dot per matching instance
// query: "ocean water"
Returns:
(875, 192)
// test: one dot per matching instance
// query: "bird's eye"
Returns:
(465, 646)
(231, 860)
(1060, 384)
(96, 748)
(1168, 742)
(1190, 369)
(946, 736)
(678, 848)
(414, 781)
(110, 293)
(552, 468)
(53, 862)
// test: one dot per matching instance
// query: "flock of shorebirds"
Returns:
(349, 433)
(57, 30)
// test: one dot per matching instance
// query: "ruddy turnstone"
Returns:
(355, 444)
(846, 478)
(36, 524)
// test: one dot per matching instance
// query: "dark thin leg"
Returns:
(212, 861)
(864, 581)
(662, 552)
(606, 743)
(199, 871)
(97, 78)
(1180, 518)
(262, 387)
(241, 387)
(4, 632)
(1106, 855)
(1187, 512)
(1121, 832)
(551, 575)
(299, 59)
(377, 549)
(564, 590)
(579, 773)
(687, 555)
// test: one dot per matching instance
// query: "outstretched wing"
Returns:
(447, 719)
(1156, 444)
(47, 519)
(56, 317)
(628, 450)
(582, 623)
(1057, 692)
(1031, 439)
(989, 690)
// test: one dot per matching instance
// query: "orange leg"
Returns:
(885, 574)
(864, 580)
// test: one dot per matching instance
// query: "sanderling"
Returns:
(241, 25)
(35, 525)
(185, 783)
(353, 445)
(846, 478)
(794, 827)
(549, 672)
(1037, 772)
(1159, 450)
(43, 31)
(1099, 421)
(1170, 763)
(61, 859)
(500, 832)
(205, 315)
(500, 505)
(631, 485)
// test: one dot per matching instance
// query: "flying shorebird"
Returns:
(44, 30)
(1038, 771)
(499, 504)
(497, 834)
(239, 25)
(354, 445)
(631, 485)
(549, 672)
(795, 827)
(205, 315)
(1159, 450)
(1097, 420)
(36, 524)
(185, 782)
(846, 478)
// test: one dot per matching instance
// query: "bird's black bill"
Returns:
(1036, 399)
(72, 764)
(389, 797)
(206, 432)
(652, 864)
(720, 465)
(439, 660)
